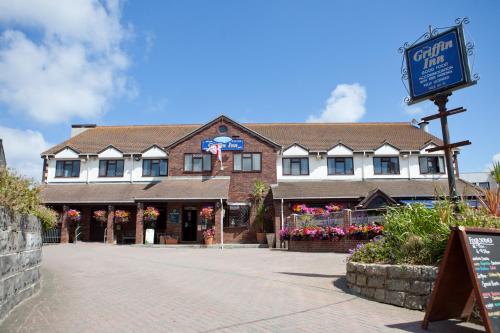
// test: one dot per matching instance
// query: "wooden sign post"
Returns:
(470, 271)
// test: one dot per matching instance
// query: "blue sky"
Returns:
(148, 62)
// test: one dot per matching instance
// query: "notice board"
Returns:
(469, 272)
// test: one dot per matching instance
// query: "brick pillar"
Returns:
(217, 226)
(65, 226)
(110, 225)
(139, 224)
(347, 219)
(85, 223)
(277, 221)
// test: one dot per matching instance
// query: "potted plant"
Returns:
(121, 217)
(208, 236)
(258, 194)
(100, 216)
(150, 216)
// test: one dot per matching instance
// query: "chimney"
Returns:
(424, 125)
(80, 128)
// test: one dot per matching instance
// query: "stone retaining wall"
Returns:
(340, 246)
(20, 258)
(402, 285)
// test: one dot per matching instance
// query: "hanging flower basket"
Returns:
(151, 214)
(207, 213)
(100, 216)
(122, 216)
(74, 215)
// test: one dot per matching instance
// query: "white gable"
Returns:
(431, 145)
(295, 150)
(67, 153)
(111, 153)
(386, 150)
(154, 152)
(340, 150)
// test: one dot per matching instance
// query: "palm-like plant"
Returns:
(492, 197)
(258, 193)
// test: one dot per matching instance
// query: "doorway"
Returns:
(189, 223)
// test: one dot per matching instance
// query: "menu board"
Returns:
(485, 254)
(469, 273)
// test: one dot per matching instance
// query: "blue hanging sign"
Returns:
(437, 64)
(226, 142)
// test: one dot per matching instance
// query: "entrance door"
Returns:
(189, 219)
(97, 231)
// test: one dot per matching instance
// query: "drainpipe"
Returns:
(409, 166)
(282, 223)
(221, 225)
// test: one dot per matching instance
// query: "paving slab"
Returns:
(104, 288)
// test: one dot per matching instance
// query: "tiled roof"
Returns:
(316, 137)
(396, 188)
(169, 189)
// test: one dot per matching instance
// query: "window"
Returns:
(197, 162)
(66, 169)
(386, 165)
(247, 162)
(154, 168)
(222, 129)
(237, 216)
(340, 166)
(484, 185)
(111, 168)
(296, 166)
(431, 164)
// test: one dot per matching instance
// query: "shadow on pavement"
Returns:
(444, 326)
(311, 275)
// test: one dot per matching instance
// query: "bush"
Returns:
(21, 195)
(418, 235)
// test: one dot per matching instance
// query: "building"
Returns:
(482, 179)
(359, 165)
(3, 162)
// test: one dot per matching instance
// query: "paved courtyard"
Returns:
(98, 288)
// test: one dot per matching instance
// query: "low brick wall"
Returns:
(20, 258)
(340, 246)
(402, 285)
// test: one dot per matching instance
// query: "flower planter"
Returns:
(271, 238)
(261, 237)
(150, 236)
(340, 246)
(209, 240)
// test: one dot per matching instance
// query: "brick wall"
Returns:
(241, 184)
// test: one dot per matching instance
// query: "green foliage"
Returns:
(48, 217)
(17, 193)
(258, 194)
(259, 190)
(495, 172)
(21, 195)
(418, 235)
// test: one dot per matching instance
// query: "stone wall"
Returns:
(339, 246)
(402, 285)
(20, 258)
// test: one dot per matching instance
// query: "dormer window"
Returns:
(431, 165)
(154, 167)
(386, 165)
(111, 168)
(296, 166)
(68, 169)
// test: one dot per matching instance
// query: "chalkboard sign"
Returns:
(469, 272)
(485, 253)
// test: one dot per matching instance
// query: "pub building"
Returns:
(174, 169)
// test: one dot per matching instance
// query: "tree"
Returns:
(258, 194)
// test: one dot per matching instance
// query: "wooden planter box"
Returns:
(339, 246)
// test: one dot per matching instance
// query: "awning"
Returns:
(343, 189)
(116, 193)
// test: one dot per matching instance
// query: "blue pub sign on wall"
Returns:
(227, 143)
(437, 64)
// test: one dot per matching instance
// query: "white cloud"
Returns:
(413, 110)
(345, 104)
(496, 157)
(22, 151)
(73, 68)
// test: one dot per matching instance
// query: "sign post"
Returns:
(436, 65)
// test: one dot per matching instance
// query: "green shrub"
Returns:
(48, 217)
(418, 235)
(21, 195)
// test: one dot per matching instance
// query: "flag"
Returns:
(216, 149)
